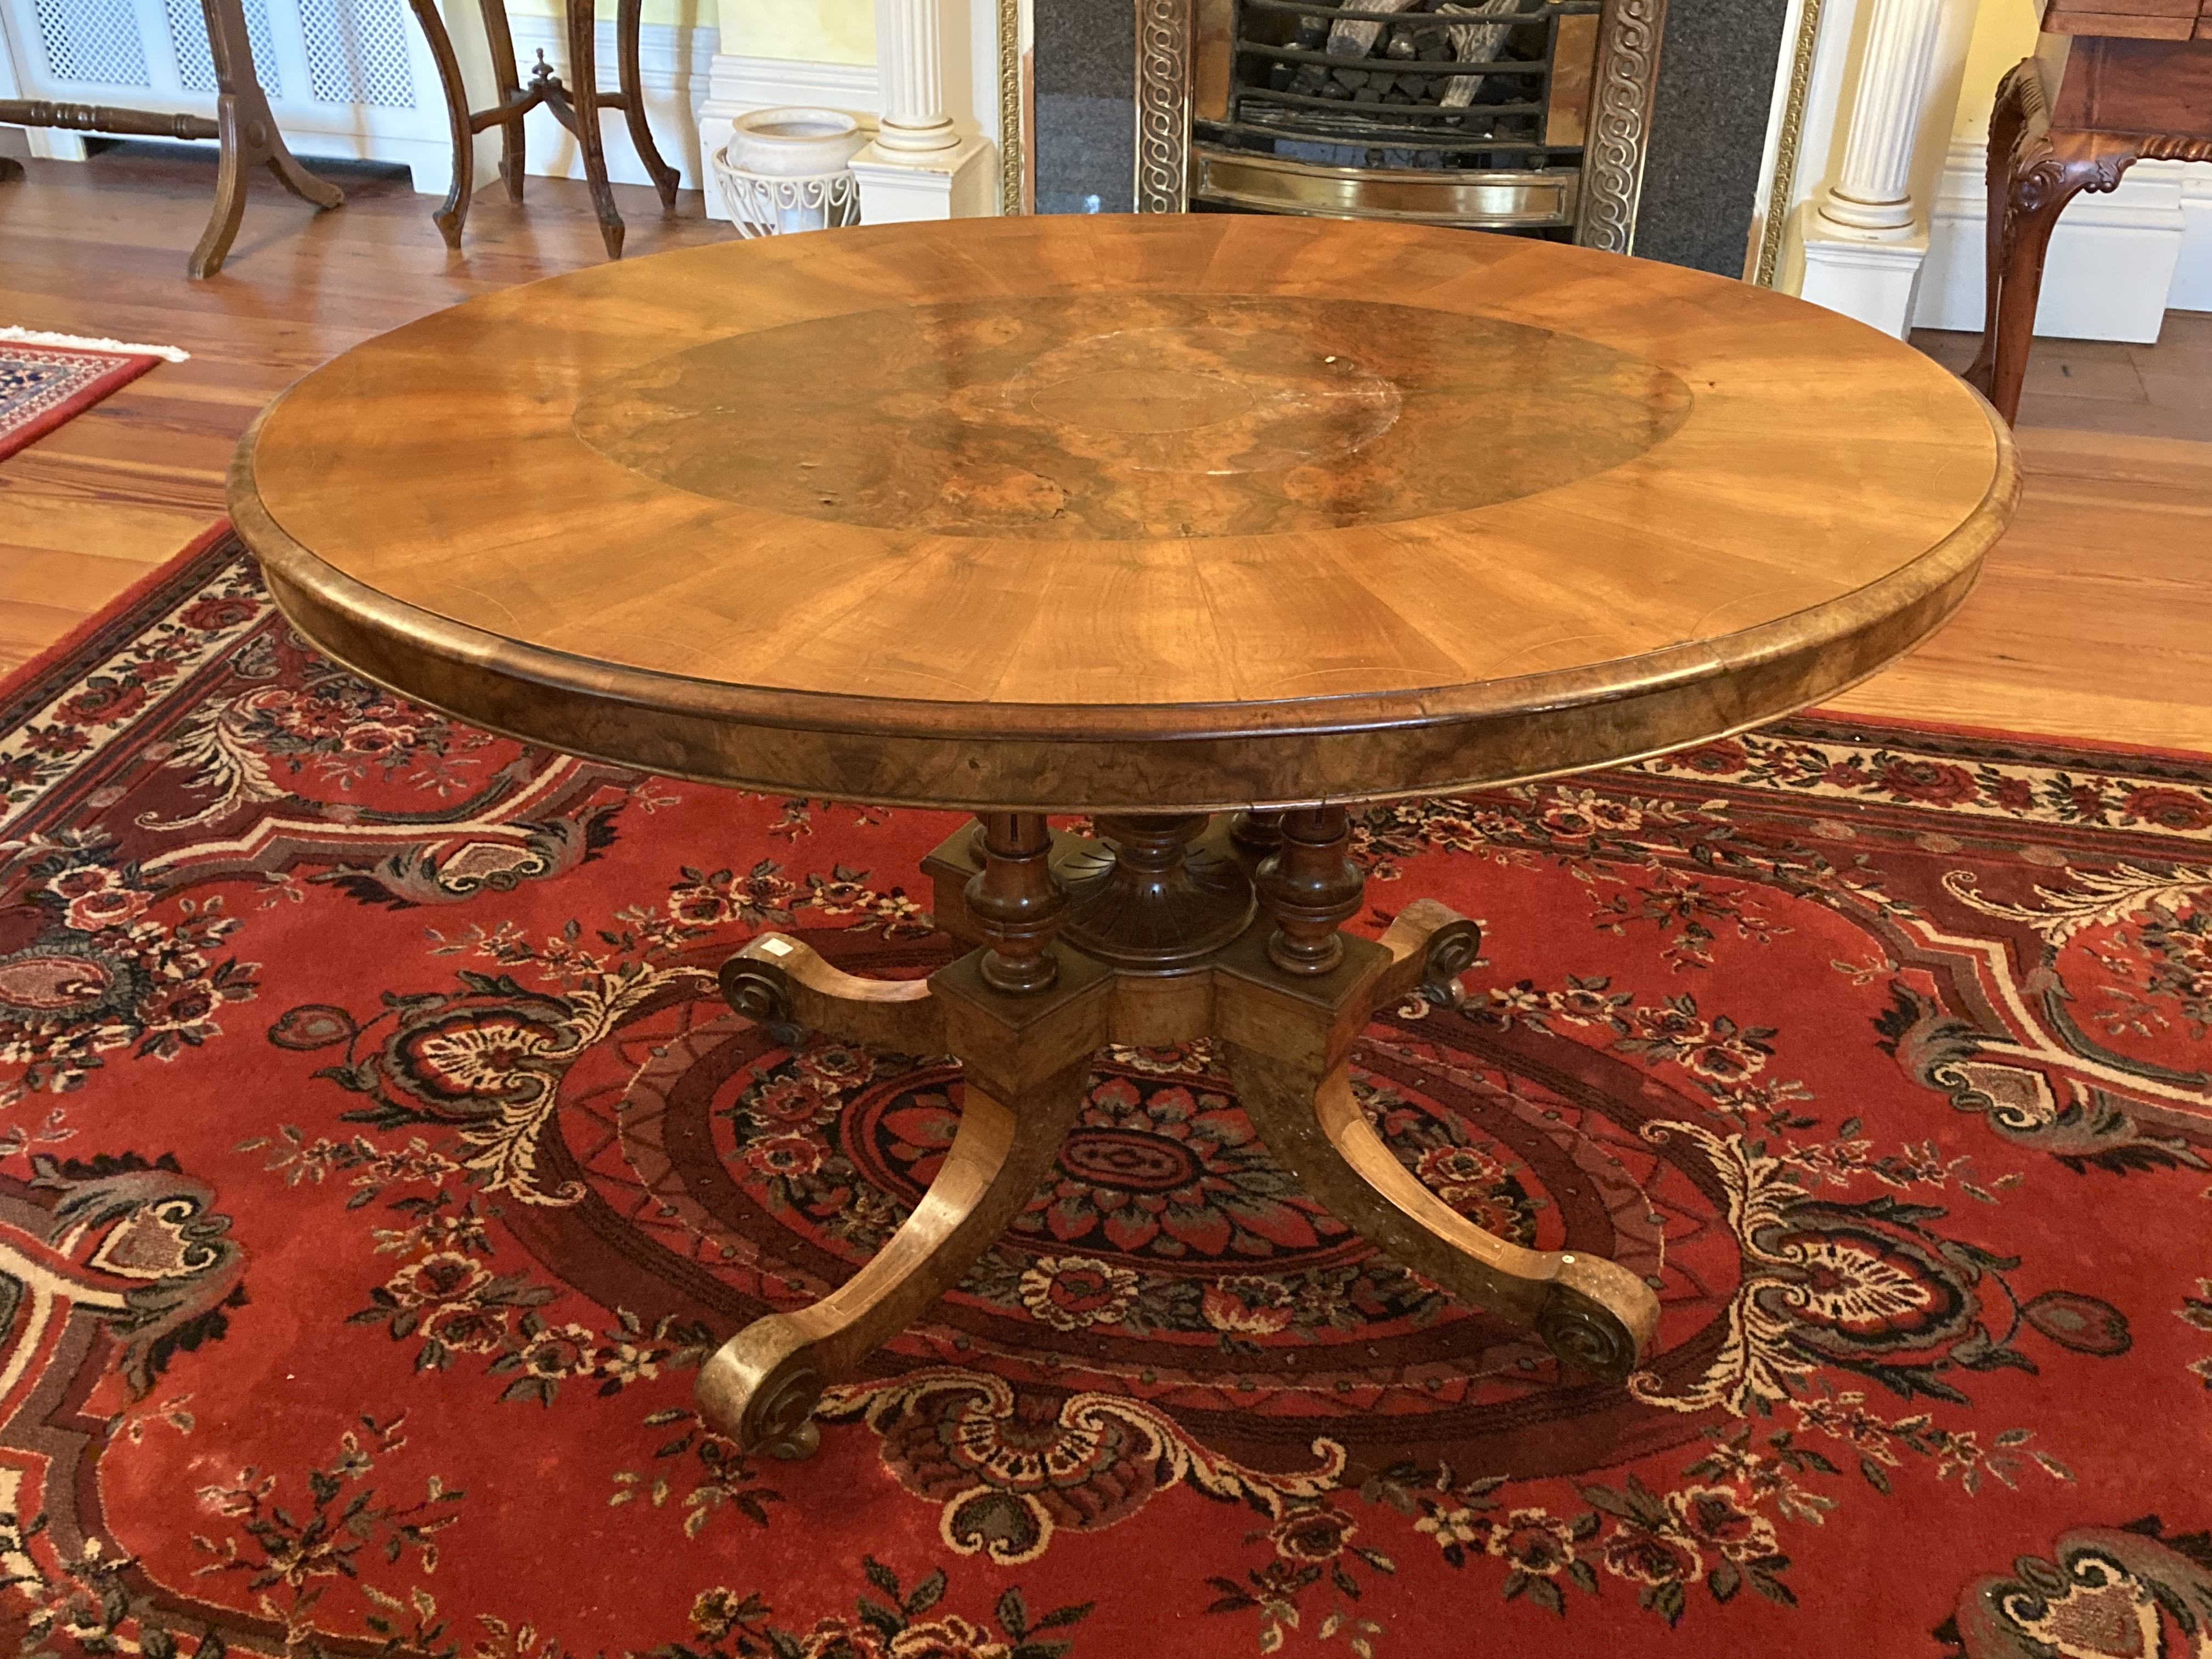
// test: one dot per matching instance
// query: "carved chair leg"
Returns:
(584, 99)
(508, 80)
(2077, 162)
(2040, 171)
(453, 214)
(249, 137)
(229, 210)
(1591, 1313)
(665, 178)
(2008, 116)
(317, 192)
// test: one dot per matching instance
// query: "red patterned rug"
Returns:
(42, 386)
(378, 1166)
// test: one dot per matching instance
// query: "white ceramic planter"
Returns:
(789, 144)
(787, 170)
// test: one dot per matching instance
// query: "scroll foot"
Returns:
(1592, 1314)
(761, 1386)
(1024, 1055)
(1430, 945)
(801, 1443)
(783, 983)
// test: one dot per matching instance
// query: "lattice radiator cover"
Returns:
(344, 77)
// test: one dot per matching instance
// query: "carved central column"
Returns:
(1160, 903)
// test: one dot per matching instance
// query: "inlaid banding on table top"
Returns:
(1133, 417)
(1058, 548)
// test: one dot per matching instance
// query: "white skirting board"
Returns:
(2116, 263)
(2192, 278)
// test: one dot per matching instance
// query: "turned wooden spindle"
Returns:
(1016, 903)
(1309, 884)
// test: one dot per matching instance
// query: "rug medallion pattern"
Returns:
(377, 1164)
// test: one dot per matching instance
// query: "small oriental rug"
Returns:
(377, 1164)
(49, 379)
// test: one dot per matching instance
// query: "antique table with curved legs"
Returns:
(1148, 518)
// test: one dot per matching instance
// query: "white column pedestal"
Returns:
(2191, 287)
(1858, 244)
(897, 186)
(919, 167)
(1874, 278)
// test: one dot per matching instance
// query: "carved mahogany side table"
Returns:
(2115, 82)
(575, 106)
(1151, 519)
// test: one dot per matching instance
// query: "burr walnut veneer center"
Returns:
(1151, 519)
(1133, 417)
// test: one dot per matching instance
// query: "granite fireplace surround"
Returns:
(1717, 63)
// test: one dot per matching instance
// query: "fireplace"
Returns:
(1571, 122)
(1524, 115)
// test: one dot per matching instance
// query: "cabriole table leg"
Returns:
(1286, 1037)
(1591, 1313)
(1024, 1056)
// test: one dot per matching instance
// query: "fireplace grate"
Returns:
(1469, 112)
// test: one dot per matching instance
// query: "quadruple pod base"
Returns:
(1160, 931)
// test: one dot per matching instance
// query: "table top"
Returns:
(1181, 512)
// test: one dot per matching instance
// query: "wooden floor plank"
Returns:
(27, 629)
(71, 581)
(100, 530)
(99, 249)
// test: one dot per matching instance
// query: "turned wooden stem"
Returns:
(1309, 885)
(1015, 902)
(1160, 903)
(1151, 846)
(1257, 833)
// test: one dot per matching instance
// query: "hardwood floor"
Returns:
(97, 248)
(2162, 391)
(2094, 617)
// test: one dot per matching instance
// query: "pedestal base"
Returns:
(900, 185)
(1286, 1034)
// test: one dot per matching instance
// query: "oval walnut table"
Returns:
(1149, 518)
